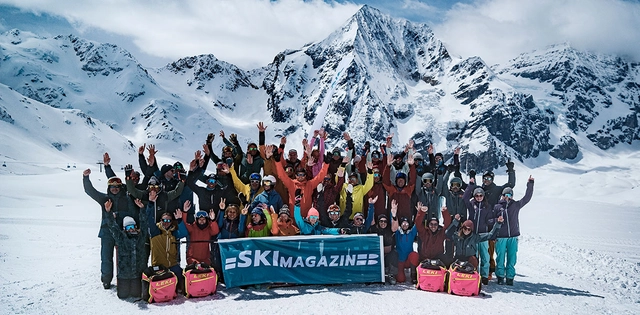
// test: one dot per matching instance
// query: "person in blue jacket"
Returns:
(404, 236)
(311, 224)
(507, 242)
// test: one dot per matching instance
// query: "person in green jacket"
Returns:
(260, 225)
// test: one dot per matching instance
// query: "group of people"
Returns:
(270, 190)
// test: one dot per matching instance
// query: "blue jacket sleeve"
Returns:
(182, 230)
(242, 224)
(487, 236)
(331, 231)
(367, 223)
(305, 228)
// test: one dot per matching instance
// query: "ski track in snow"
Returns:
(49, 252)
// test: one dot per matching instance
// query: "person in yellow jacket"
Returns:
(359, 191)
(251, 190)
(165, 236)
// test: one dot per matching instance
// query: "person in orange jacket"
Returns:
(300, 184)
(200, 233)
(282, 223)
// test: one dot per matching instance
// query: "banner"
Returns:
(322, 259)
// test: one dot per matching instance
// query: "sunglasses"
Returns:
(315, 217)
(334, 212)
(114, 186)
(253, 149)
(427, 181)
(466, 228)
(376, 174)
(433, 224)
(479, 196)
(257, 181)
(267, 182)
(153, 187)
(129, 227)
(211, 181)
(383, 221)
(358, 219)
(455, 185)
(166, 220)
(301, 174)
(489, 178)
(326, 179)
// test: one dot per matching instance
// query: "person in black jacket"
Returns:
(383, 228)
(122, 206)
(132, 257)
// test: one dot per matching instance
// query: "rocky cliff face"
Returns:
(373, 77)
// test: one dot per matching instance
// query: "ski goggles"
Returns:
(153, 187)
(376, 174)
(201, 214)
(508, 195)
(211, 181)
(455, 185)
(130, 227)
(166, 220)
(314, 217)
(334, 212)
(256, 181)
(489, 178)
(301, 174)
(428, 180)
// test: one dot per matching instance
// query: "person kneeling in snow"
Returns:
(466, 242)
(407, 257)
(132, 258)
(311, 225)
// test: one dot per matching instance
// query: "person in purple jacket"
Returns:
(483, 218)
(507, 243)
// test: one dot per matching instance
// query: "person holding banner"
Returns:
(260, 224)
(311, 224)
(407, 257)
(282, 225)
(383, 228)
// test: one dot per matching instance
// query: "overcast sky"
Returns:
(249, 33)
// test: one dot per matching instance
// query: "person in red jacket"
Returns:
(301, 184)
(402, 189)
(200, 233)
(432, 235)
(380, 207)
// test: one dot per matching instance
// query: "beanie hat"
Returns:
(478, 191)
(397, 156)
(382, 216)
(507, 190)
(375, 154)
(153, 181)
(468, 224)
(313, 212)
(257, 210)
(489, 174)
(456, 180)
(433, 219)
(358, 214)
(128, 221)
(284, 210)
(417, 156)
(165, 168)
(440, 155)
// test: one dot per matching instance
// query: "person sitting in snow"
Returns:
(466, 241)
(282, 224)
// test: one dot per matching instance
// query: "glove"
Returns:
(210, 138)
(233, 138)
(451, 168)
(320, 187)
(349, 189)
(472, 173)
(509, 166)
(127, 170)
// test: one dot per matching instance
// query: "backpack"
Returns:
(463, 279)
(431, 275)
(200, 280)
(158, 284)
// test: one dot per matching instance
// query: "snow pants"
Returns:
(107, 243)
(506, 248)
(483, 254)
(129, 288)
(411, 262)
